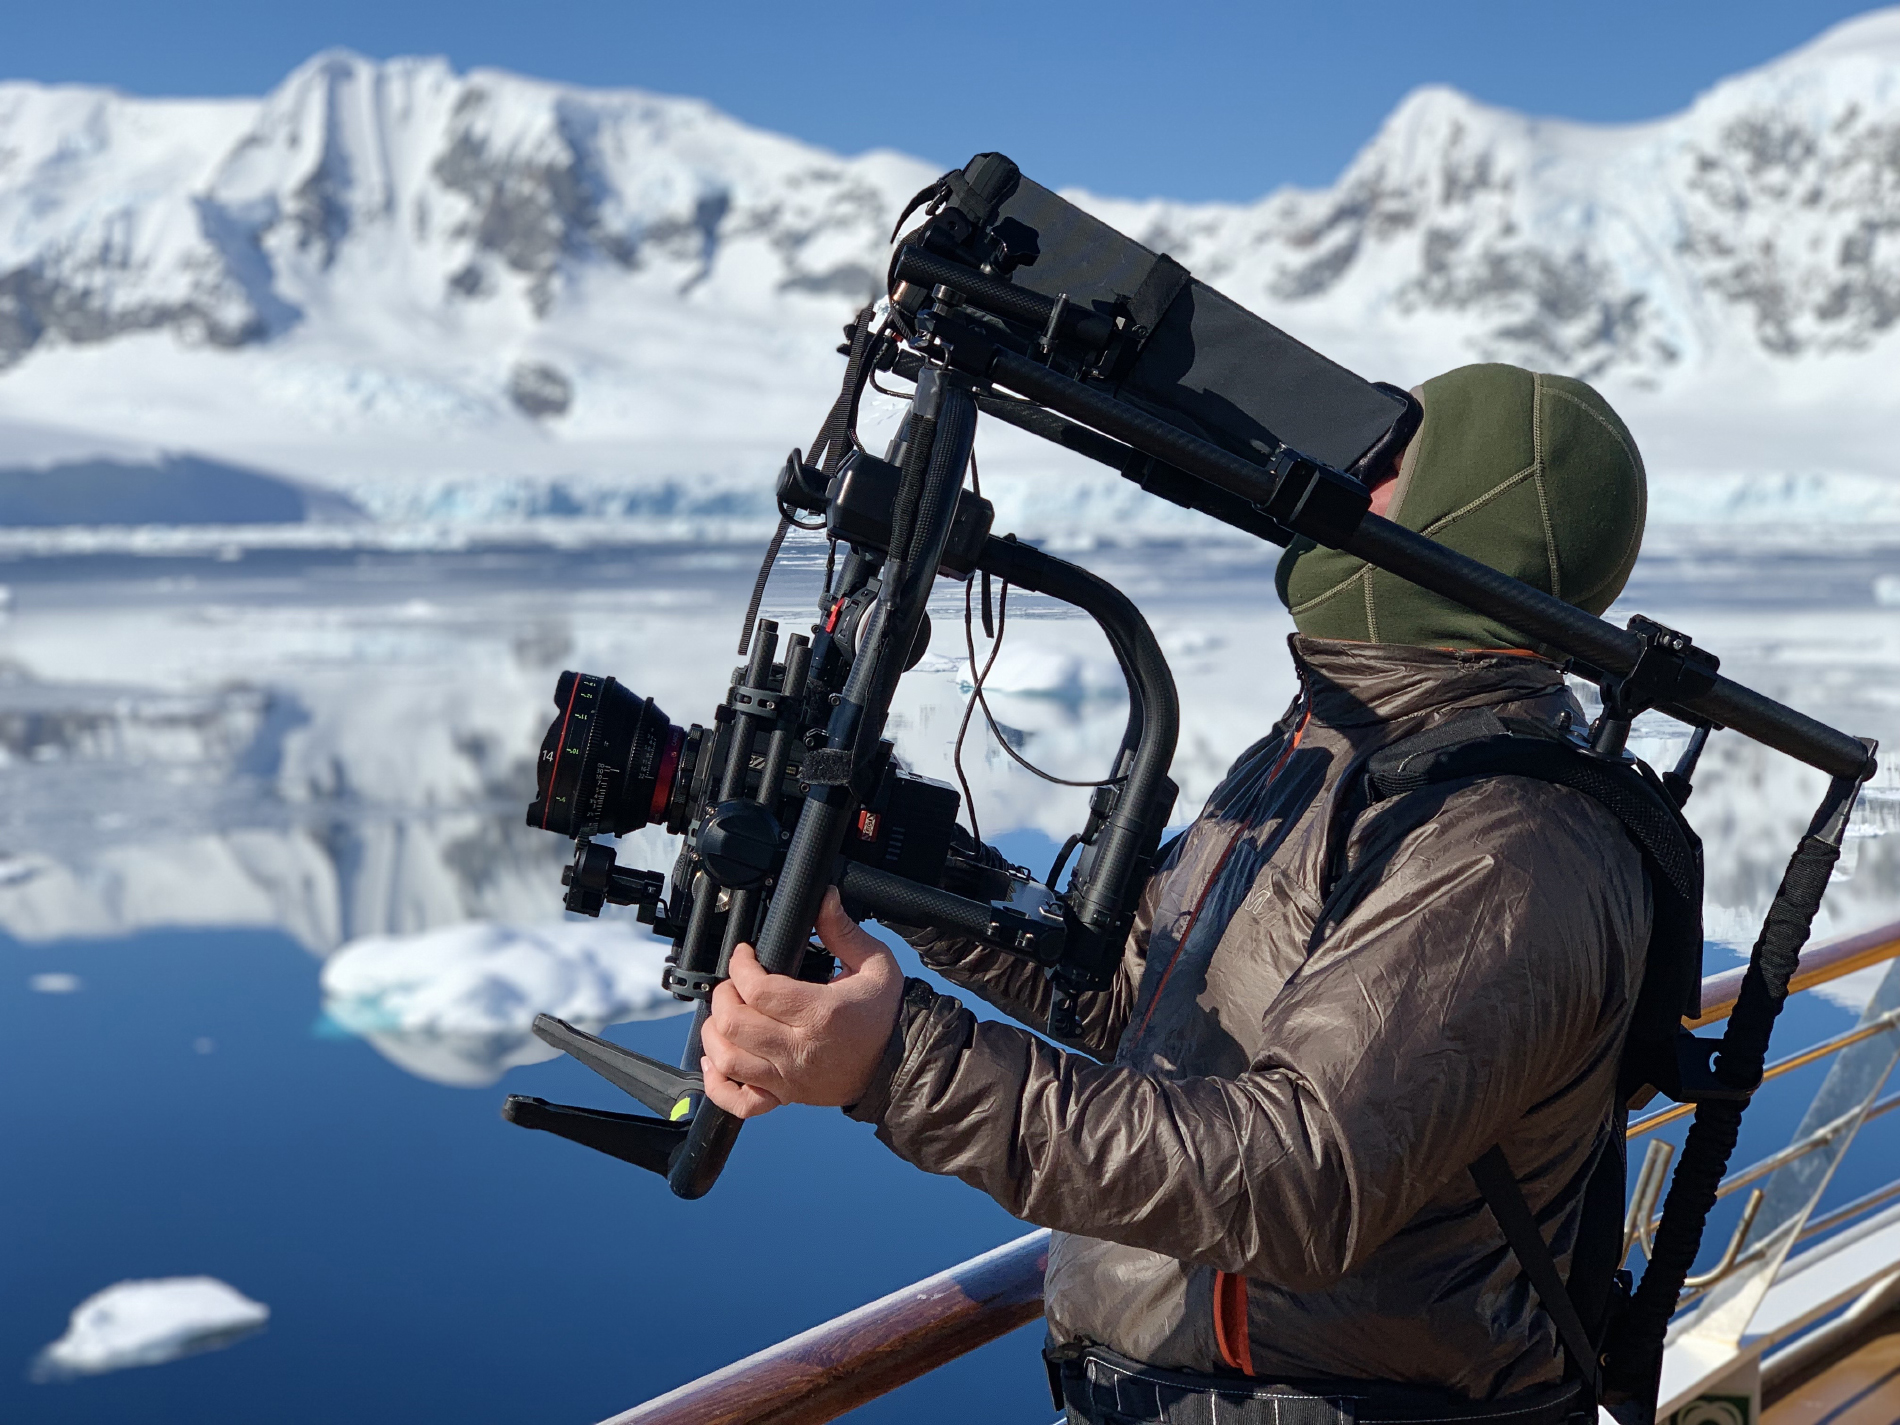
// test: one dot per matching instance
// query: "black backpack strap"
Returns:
(1495, 1180)
(1481, 744)
(1477, 744)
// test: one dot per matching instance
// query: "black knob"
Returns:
(593, 867)
(739, 844)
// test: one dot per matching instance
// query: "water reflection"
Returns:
(339, 746)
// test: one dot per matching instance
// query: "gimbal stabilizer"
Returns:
(1008, 301)
(806, 792)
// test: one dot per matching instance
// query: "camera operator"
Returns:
(1326, 1010)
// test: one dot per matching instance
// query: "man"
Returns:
(1326, 1011)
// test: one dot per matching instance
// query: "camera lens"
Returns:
(608, 762)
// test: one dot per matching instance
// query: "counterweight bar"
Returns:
(1432, 566)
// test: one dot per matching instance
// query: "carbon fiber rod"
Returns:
(1432, 566)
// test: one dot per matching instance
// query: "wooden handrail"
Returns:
(1819, 965)
(820, 1374)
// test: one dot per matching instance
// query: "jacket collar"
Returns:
(1359, 684)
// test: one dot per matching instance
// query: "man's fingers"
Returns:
(834, 926)
(748, 975)
(740, 1100)
(779, 996)
(738, 1063)
(752, 1030)
(844, 937)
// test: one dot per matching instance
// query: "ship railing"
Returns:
(1759, 1316)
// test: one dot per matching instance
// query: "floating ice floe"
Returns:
(457, 1005)
(147, 1323)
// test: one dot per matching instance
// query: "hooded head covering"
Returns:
(1531, 474)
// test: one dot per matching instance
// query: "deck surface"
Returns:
(1858, 1385)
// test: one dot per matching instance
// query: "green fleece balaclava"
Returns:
(1534, 475)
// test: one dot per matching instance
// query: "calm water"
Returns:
(422, 1259)
(182, 1113)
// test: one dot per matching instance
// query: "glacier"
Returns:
(148, 1323)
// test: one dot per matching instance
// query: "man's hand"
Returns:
(771, 1039)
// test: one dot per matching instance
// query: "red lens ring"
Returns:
(663, 780)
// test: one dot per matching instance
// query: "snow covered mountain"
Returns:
(1764, 216)
(483, 297)
(380, 257)
(399, 192)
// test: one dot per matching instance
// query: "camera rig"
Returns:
(1007, 301)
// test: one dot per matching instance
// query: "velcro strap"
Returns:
(1481, 744)
(1420, 760)
(1157, 292)
(1497, 1184)
(828, 767)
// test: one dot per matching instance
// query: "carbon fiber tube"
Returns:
(908, 902)
(1444, 571)
(824, 816)
(778, 750)
(1005, 299)
(1432, 566)
(954, 434)
(758, 671)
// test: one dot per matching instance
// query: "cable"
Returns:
(796, 523)
(963, 727)
(979, 699)
(894, 395)
(976, 488)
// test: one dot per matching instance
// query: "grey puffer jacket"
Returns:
(1320, 1021)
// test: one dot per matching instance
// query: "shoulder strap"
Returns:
(1495, 1180)
(1481, 744)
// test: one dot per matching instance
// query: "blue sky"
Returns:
(1199, 101)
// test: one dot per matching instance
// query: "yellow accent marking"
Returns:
(681, 1109)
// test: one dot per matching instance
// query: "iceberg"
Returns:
(147, 1323)
(457, 1004)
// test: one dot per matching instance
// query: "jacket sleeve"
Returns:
(1482, 966)
(1021, 990)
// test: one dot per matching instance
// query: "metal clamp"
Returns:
(759, 702)
(1314, 499)
(1670, 669)
(593, 880)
